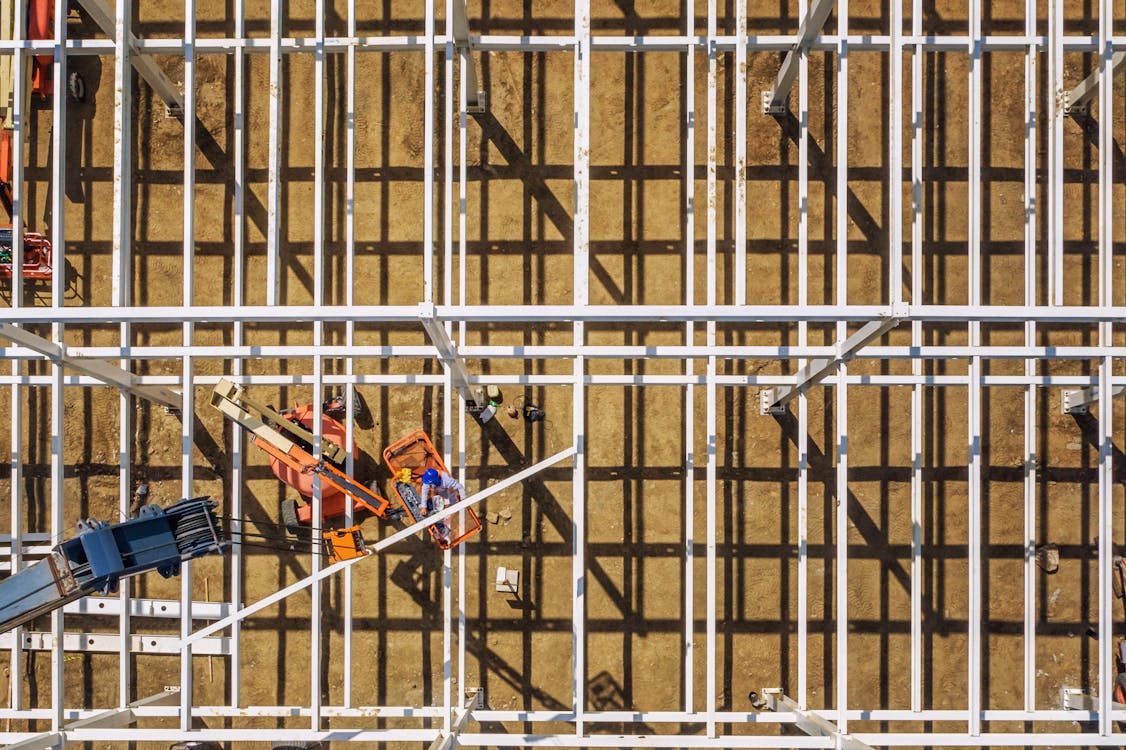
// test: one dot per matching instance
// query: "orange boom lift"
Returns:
(287, 438)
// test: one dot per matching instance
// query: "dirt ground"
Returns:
(519, 252)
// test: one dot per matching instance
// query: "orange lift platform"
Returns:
(416, 453)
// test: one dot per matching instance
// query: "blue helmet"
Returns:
(431, 476)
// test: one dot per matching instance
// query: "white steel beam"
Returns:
(476, 100)
(110, 643)
(103, 371)
(294, 315)
(117, 717)
(1031, 206)
(1079, 400)
(774, 400)
(447, 352)
(58, 301)
(1079, 98)
(107, 20)
(273, 197)
(774, 100)
(580, 295)
(447, 738)
(1053, 189)
(809, 722)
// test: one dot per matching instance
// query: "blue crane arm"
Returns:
(102, 554)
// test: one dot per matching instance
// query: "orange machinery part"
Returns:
(36, 258)
(40, 25)
(417, 453)
(336, 484)
(300, 480)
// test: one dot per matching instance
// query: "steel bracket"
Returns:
(766, 403)
(770, 107)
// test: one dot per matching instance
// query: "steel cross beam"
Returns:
(103, 15)
(1080, 97)
(99, 369)
(774, 101)
(774, 400)
(447, 352)
(115, 717)
(475, 99)
(809, 722)
(474, 699)
(378, 547)
(1078, 401)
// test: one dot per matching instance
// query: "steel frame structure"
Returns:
(448, 319)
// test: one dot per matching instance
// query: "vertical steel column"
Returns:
(1106, 531)
(578, 403)
(122, 291)
(349, 326)
(803, 400)
(841, 442)
(447, 421)
(916, 364)
(122, 156)
(58, 290)
(1056, 118)
(273, 198)
(237, 442)
(316, 606)
(316, 657)
(741, 152)
(187, 411)
(974, 420)
(710, 705)
(465, 63)
(1106, 388)
(1031, 138)
(895, 156)
(841, 438)
(19, 62)
(689, 187)
(19, 138)
(428, 162)
(15, 468)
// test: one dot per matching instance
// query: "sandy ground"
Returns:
(520, 229)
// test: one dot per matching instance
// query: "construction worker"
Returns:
(436, 490)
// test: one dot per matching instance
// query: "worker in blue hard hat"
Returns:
(439, 489)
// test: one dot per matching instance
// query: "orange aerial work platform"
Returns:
(416, 453)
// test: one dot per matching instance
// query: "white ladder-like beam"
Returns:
(774, 101)
(96, 368)
(774, 400)
(103, 15)
(115, 717)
